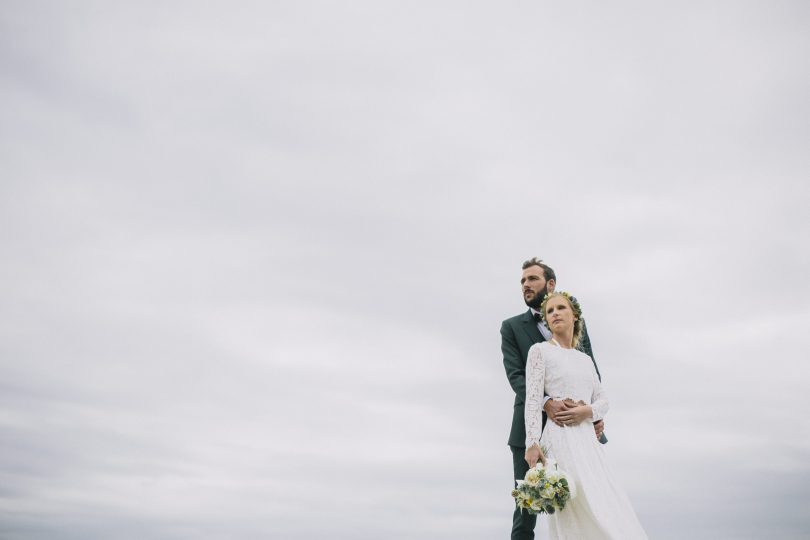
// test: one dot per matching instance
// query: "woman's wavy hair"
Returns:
(575, 307)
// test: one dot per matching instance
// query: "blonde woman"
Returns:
(601, 509)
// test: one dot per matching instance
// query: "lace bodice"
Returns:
(559, 373)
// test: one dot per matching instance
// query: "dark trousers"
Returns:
(522, 521)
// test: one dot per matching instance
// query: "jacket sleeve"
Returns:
(585, 346)
(513, 361)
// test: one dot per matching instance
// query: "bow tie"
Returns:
(537, 317)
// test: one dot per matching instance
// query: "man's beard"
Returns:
(537, 300)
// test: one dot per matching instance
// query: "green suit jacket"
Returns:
(518, 334)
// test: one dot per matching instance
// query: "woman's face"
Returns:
(559, 315)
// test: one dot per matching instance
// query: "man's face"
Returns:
(535, 286)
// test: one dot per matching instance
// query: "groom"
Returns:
(518, 334)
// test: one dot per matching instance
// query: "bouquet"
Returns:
(545, 489)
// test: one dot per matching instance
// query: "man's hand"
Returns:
(533, 455)
(554, 407)
(599, 428)
(575, 415)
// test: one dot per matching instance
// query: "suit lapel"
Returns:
(530, 326)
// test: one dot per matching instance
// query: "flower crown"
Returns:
(571, 300)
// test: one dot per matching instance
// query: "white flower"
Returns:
(554, 476)
(547, 493)
(533, 477)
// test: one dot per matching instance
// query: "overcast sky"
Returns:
(256, 256)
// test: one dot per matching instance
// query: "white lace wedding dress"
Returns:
(600, 509)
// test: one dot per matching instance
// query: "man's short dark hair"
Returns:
(548, 273)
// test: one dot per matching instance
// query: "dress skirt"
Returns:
(601, 508)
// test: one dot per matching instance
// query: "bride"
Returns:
(601, 509)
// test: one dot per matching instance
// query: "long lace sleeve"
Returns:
(535, 383)
(599, 401)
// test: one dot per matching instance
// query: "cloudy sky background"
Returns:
(256, 255)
